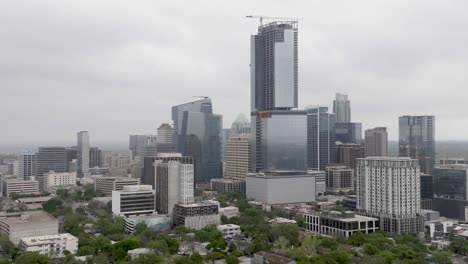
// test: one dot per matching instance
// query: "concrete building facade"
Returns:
(133, 200)
(50, 245)
(83, 152)
(376, 142)
(28, 224)
(107, 184)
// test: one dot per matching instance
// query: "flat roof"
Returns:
(28, 218)
(35, 199)
(39, 240)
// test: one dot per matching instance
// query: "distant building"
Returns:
(263, 257)
(427, 192)
(11, 186)
(174, 183)
(51, 245)
(107, 184)
(339, 224)
(348, 132)
(138, 144)
(237, 157)
(56, 179)
(165, 134)
(342, 108)
(281, 187)
(133, 200)
(26, 165)
(450, 187)
(339, 178)
(347, 154)
(417, 140)
(148, 174)
(228, 185)
(376, 142)
(50, 159)
(158, 223)
(229, 211)
(28, 224)
(33, 203)
(229, 230)
(452, 161)
(83, 153)
(197, 216)
(240, 126)
(321, 149)
(95, 157)
(380, 193)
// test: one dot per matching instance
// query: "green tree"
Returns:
(441, 257)
(86, 251)
(32, 258)
(289, 231)
(232, 260)
(159, 245)
(281, 243)
(300, 220)
(140, 228)
(52, 205)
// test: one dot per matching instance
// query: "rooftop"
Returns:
(39, 240)
(26, 219)
(274, 258)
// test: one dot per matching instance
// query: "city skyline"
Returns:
(134, 61)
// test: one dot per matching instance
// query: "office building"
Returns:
(95, 157)
(51, 245)
(339, 224)
(347, 154)
(165, 134)
(148, 174)
(452, 161)
(71, 154)
(376, 142)
(228, 185)
(198, 135)
(197, 215)
(59, 179)
(174, 183)
(237, 157)
(140, 143)
(450, 187)
(107, 184)
(240, 126)
(83, 153)
(229, 230)
(281, 187)
(19, 225)
(427, 192)
(342, 109)
(389, 188)
(417, 140)
(320, 182)
(10, 186)
(321, 148)
(133, 200)
(348, 132)
(26, 165)
(339, 178)
(50, 159)
(116, 160)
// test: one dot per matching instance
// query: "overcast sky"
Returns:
(115, 68)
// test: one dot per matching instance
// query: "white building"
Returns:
(229, 211)
(198, 215)
(281, 187)
(26, 165)
(11, 186)
(53, 179)
(27, 224)
(229, 230)
(133, 200)
(174, 183)
(52, 245)
(107, 184)
(389, 187)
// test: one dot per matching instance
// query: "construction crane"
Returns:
(273, 18)
(201, 96)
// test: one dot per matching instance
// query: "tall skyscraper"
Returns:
(95, 157)
(237, 157)
(342, 108)
(165, 134)
(50, 159)
(240, 126)
(389, 188)
(83, 152)
(26, 165)
(376, 142)
(349, 132)
(321, 148)
(274, 67)
(174, 183)
(198, 134)
(417, 140)
(143, 145)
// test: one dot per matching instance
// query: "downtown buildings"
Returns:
(83, 153)
(376, 142)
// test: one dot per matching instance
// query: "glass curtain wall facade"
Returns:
(321, 148)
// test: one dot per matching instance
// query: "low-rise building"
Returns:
(51, 245)
(229, 230)
(33, 202)
(229, 211)
(133, 200)
(107, 184)
(197, 216)
(158, 223)
(11, 186)
(263, 257)
(28, 224)
(228, 185)
(59, 179)
(339, 224)
(138, 252)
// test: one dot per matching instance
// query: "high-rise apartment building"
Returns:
(342, 109)
(198, 134)
(347, 154)
(50, 159)
(95, 157)
(417, 140)
(321, 148)
(389, 188)
(237, 157)
(26, 165)
(83, 153)
(349, 132)
(174, 183)
(376, 141)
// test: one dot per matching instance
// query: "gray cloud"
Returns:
(116, 67)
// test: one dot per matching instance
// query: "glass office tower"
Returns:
(198, 134)
(416, 140)
(321, 148)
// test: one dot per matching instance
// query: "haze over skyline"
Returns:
(115, 68)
